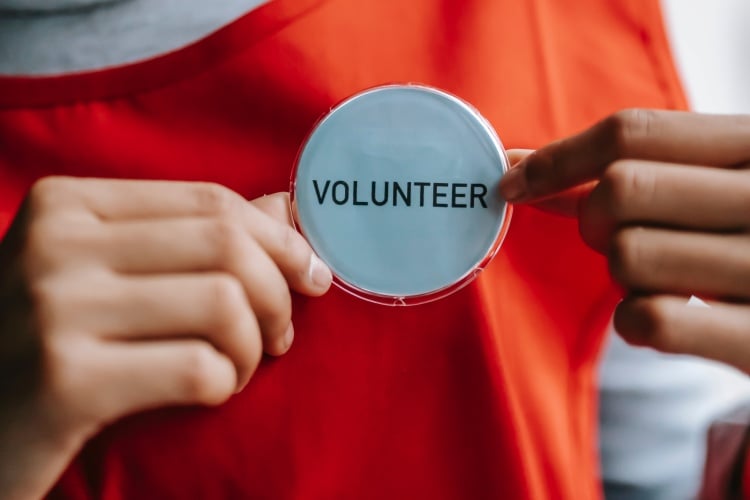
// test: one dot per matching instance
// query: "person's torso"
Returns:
(489, 393)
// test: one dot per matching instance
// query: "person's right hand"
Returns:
(664, 196)
(120, 296)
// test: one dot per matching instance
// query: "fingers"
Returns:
(254, 251)
(642, 192)
(222, 243)
(212, 306)
(130, 201)
(265, 256)
(666, 323)
(304, 271)
(240, 308)
(169, 246)
(657, 260)
(664, 136)
(565, 203)
(153, 374)
(136, 199)
(665, 196)
(144, 294)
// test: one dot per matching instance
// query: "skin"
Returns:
(120, 296)
(665, 196)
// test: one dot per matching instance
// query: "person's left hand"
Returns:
(666, 197)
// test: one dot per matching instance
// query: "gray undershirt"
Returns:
(59, 36)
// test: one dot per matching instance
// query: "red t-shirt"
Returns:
(489, 393)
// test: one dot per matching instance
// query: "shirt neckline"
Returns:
(159, 71)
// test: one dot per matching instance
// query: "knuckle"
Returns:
(229, 300)
(629, 125)
(625, 255)
(51, 242)
(229, 239)
(646, 322)
(48, 191)
(620, 183)
(198, 378)
(215, 199)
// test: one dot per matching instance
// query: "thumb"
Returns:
(565, 203)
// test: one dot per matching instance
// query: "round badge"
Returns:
(396, 190)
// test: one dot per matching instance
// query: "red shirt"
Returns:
(489, 393)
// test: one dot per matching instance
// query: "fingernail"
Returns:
(513, 184)
(241, 385)
(288, 337)
(320, 275)
(696, 302)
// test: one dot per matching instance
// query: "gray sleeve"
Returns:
(655, 414)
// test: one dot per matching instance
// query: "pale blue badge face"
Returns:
(396, 190)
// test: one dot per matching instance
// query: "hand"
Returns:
(666, 197)
(119, 296)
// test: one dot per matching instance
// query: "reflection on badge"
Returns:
(396, 190)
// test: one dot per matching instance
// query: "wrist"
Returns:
(34, 451)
